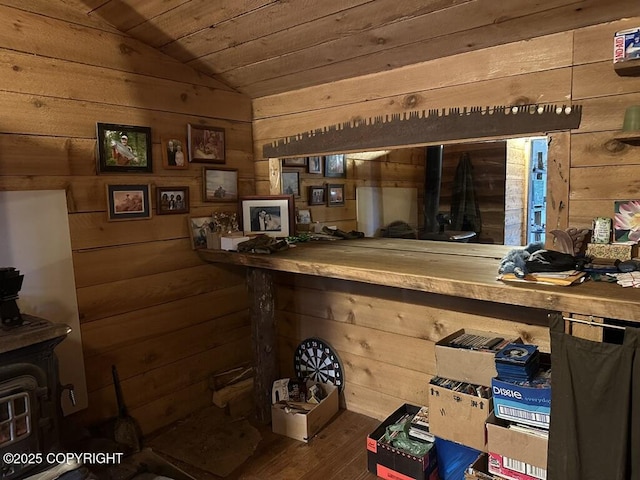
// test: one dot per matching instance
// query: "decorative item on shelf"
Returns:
(630, 132)
(571, 240)
(199, 227)
(626, 52)
(601, 230)
(273, 215)
(626, 222)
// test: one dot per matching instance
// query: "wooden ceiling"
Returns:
(265, 47)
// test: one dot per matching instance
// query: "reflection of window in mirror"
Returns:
(509, 189)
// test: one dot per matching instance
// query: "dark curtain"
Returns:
(465, 210)
(595, 403)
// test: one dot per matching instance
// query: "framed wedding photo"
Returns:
(206, 144)
(123, 148)
(272, 215)
(219, 184)
(174, 153)
(128, 202)
(171, 200)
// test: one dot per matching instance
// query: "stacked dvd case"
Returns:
(518, 362)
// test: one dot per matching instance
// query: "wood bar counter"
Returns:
(463, 270)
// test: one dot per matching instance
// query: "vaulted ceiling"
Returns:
(265, 47)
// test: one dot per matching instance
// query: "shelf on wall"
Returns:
(628, 68)
(632, 138)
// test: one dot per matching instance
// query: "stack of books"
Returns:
(518, 362)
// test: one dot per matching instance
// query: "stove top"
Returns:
(33, 330)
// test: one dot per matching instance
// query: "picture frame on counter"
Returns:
(272, 215)
(199, 228)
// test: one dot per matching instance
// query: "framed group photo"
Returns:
(219, 184)
(272, 215)
(206, 144)
(128, 202)
(316, 195)
(171, 200)
(123, 148)
(174, 153)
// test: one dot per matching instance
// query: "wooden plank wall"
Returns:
(386, 337)
(147, 303)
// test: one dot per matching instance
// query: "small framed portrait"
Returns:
(128, 202)
(199, 228)
(171, 200)
(315, 165)
(272, 215)
(174, 153)
(304, 216)
(335, 195)
(206, 144)
(124, 148)
(291, 183)
(335, 166)
(317, 195)
(219, 184)
(294, 162)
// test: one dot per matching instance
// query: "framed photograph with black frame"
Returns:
(206, 144)
(123, 148)
(315, 165)
(219, 184)
(335, 166)
(128, 202)
(272, 215)
(294, 162)
(317, 195)
(335, 195)
(170, 200)
(291, 183)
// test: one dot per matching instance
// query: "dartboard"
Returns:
(315, 359)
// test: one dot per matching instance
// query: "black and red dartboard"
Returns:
(315, 359)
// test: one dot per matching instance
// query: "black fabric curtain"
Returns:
(594, 430)
(465, 210)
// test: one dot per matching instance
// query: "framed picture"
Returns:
(128, 202)
(174, 153)
(171, 200)
(626, 224)
(291, 183)
(294, 162)
(315, 165)
(206, 144)
(219, 184)
(335, 166)
(304, 216)
(273, 215)
(316, 195)
(124, 148)
(335, 195)
(199, 227)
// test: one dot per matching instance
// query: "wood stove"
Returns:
(30, 390)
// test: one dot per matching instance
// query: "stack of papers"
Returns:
(566, 278)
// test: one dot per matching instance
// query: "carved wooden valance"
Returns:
(423, 127)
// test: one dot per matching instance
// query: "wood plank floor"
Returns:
(338, 452)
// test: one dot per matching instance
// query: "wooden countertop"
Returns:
(459, 269)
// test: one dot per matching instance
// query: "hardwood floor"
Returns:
(338, 452)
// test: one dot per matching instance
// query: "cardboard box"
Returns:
(472, 366)
(529, 405)
(626, 45)
(459, 417)
(479, 470)
(511, 469)
(528, 449)
(304, 426)
(390, 463)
